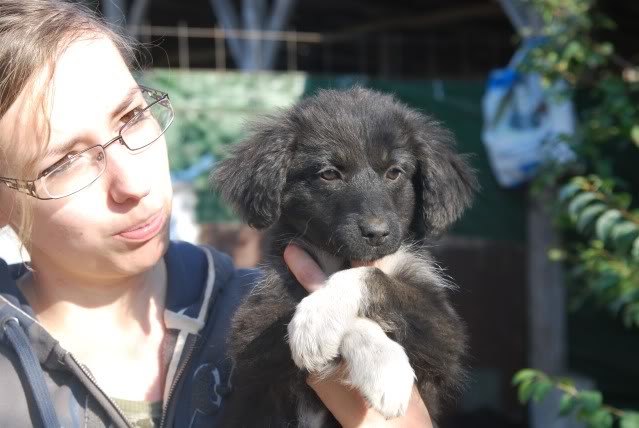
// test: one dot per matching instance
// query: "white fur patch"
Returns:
(321, 319)
(421, 265)
(378, 367)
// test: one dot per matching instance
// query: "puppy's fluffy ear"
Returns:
(446, 182)
(253, 177)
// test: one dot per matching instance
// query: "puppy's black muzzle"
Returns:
(375, 230)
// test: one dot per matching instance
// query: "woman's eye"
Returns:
(393, 173)
(330, 174)
(126, 118)
(61, 164)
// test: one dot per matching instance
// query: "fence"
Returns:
(386, 55)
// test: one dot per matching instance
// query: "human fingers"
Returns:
(351, 410)
(304, 268)
(345, 403)
(360, 263)
(416, 415)
(370, 263)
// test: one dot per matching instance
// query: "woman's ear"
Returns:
(446, 182)
(253, 176)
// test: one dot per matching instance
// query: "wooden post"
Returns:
(546, 307)
(220, 51)
(183, 45)
(545, 291)
(291, 53)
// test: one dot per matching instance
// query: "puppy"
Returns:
(350, 176)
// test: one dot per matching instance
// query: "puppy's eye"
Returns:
(330, 174)
(393, 173)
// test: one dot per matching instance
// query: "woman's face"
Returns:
(118, 225)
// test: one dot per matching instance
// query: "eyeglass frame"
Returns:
(28, 187)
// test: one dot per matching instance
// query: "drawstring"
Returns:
(31, 366)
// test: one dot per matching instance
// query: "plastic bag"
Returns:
(524, 124)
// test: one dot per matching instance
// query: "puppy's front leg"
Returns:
(321, 319)
(378, 367)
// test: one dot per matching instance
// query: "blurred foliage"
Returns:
(605, 266)
(210, 112)
(594, 209)
(584, 405)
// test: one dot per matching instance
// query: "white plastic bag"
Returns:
(524, 124)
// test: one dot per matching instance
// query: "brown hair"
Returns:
(33, 34)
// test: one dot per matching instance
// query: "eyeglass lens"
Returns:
(84, 168)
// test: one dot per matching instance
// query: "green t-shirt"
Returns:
(142, 414)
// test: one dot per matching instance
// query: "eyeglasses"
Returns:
(79, 170)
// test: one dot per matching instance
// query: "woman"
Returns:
(111, 324)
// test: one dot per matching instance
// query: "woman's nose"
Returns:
(129, 176)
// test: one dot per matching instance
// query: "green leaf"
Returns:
(600, 419)
(579, 202)
(624, 298)
(587, 217)
(635, 249)
(623, 234)
(590, 400)
(541, 389)
(569, 190)
(634, 134)
(525, 391)
(573, 48)
(556, 254)
(623, 200)
(606, 48)
(629, 420)
(605, 281)
(606, 222)
(565, 382)
(567, 404)
(525, 375)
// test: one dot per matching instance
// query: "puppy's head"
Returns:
(354, 173)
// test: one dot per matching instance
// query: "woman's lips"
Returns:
(146, 230)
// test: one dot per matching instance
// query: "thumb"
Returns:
(304, 268)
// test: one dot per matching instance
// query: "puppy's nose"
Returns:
(375, 230)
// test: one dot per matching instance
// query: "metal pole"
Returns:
(277, 22)
(227, 17)
(114, 11)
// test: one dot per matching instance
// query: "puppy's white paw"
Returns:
(389, 390)
(314, 334)
(378, 368)
(322, 318)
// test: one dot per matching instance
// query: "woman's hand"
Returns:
(346, 404)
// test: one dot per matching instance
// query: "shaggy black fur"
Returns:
(352, 174)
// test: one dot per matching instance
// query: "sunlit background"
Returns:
(224, 62)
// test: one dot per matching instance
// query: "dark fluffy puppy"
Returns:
(349, 176)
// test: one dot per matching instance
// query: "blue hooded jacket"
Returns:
(43, 385)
